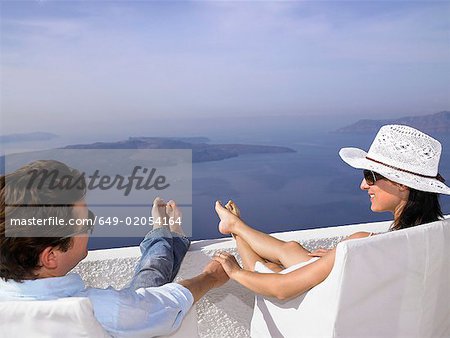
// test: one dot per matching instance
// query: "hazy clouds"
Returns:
(119, 63)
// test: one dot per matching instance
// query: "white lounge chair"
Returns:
(395, 284)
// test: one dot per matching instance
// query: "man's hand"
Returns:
(215, 270)
(228, 262)
(212, 276)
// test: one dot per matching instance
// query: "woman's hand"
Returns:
(215, 270)
(319, 252)
(228, 262)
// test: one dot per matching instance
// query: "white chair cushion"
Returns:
(388, 285)
(65, 317)
(69, 317)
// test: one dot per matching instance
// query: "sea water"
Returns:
(310, 188)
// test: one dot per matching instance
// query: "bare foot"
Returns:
(233, 208)
(228, 220)
(175, 216)
(159, 212)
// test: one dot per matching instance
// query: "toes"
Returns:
(172, 209)
(233, 208)
(159, 207)
(158, 201)
(229, 206)
(161, 204)
(170, 206)
(236, 210)
(169, 210)
(219, 206)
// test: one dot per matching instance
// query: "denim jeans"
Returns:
(162, 254)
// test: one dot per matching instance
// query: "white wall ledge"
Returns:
(222, 312)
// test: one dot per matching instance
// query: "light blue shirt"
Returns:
(149, 312)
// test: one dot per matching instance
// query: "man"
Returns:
(36, 267)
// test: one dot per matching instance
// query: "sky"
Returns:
(88, 66)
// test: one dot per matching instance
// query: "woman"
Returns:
(400, 176)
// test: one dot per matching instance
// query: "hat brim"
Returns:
(356, 158)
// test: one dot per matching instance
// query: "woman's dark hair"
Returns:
(422, 207)
(24, 198)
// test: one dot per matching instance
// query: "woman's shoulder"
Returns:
(360, 234)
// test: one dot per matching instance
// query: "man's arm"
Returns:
(212, 276)
(151, 311)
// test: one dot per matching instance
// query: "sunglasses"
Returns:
(88, 225)
(371, 177)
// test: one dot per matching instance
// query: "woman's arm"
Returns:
(281, 286)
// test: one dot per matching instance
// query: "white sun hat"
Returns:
(404, 155)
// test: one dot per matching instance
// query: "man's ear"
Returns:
(48, 258)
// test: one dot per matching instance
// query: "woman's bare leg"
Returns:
(266, 246)
(250, 257)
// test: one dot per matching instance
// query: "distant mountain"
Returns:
(433, 124)
(183, 139)
(27, 137)
(201, 151)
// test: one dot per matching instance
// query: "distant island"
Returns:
(433, 124)
(201, 150)
(27, 137)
